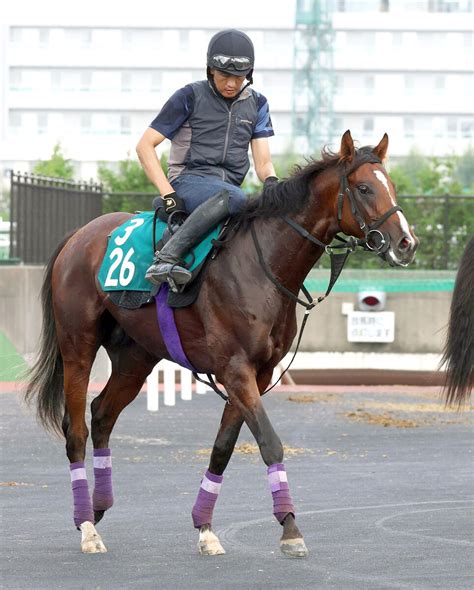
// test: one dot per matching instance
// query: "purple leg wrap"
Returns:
(103, 495)
(282, 502)
(80, 493)
(207, 496)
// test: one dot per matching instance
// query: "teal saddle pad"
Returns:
(130, 253)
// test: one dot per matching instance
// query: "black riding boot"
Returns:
(168, 263)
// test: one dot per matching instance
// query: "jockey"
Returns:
(211, 124)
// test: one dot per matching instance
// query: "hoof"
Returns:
(209, 544)
(91, 541)
(98, 515)
(294, 548)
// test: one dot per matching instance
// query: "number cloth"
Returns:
(130, 253)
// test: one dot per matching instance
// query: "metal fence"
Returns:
(43, 210)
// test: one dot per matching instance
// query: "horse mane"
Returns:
(291, 194)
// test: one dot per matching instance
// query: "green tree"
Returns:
(127, 189)
(56, 167)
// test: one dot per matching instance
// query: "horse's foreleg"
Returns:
(224, 444)
(245, 394)
(130, 367)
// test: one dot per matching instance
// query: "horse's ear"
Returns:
(347, 147)
(381, 150)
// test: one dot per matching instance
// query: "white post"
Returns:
(276, 375)
(201, 387)
(169, 397)
(152, 390)
(186, 381)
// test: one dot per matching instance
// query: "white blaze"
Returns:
(403, 220)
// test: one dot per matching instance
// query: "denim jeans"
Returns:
(195, 190)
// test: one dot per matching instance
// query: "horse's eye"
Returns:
(363, 189)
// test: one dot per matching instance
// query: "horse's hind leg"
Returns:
(130, 367)
(77, 368)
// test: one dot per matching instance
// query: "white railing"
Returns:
(168, 377)
(166, 372)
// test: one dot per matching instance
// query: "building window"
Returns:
(467, 40)
(449, 5)
(397, 40)
(467, 129)
(408, 127)
(16, 35)
(125, 124)
(369, 84)
(184, 40)
(368, 126)
(440, 84)
(86, 123)
(452, 127)
(56, 80)
(14, 120)
(127, 38)
(86, 38)
(44, 37)
(156, 81)
(15, 79)
(86, 81)
(126, 82)
(439, 127)
(409, 83)
(42, 123)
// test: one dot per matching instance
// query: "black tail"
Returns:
(46, 376)
(458, 356)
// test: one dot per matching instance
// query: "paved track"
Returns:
(380, 506)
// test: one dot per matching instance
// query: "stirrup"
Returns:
(156, 276)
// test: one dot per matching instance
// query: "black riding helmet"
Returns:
(232, 52)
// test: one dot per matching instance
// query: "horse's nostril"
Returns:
(404, 244)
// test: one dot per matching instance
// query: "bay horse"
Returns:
(458, 353)
(239, 328)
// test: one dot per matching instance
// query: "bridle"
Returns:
(374, 239)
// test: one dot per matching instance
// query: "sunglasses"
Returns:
(224, 61)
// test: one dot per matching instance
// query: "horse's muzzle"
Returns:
(403, 251)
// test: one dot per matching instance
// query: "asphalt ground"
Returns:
(382, 483)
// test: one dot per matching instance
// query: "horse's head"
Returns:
(367, 206)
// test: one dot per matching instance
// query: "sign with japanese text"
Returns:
(371, 326)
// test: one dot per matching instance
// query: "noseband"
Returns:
(374, 239)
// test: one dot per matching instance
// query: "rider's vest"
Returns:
(214, 138)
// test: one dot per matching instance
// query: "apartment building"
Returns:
(94, 82)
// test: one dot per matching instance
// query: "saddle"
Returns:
(130, 252)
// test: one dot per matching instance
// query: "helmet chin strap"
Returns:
(210, 78)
